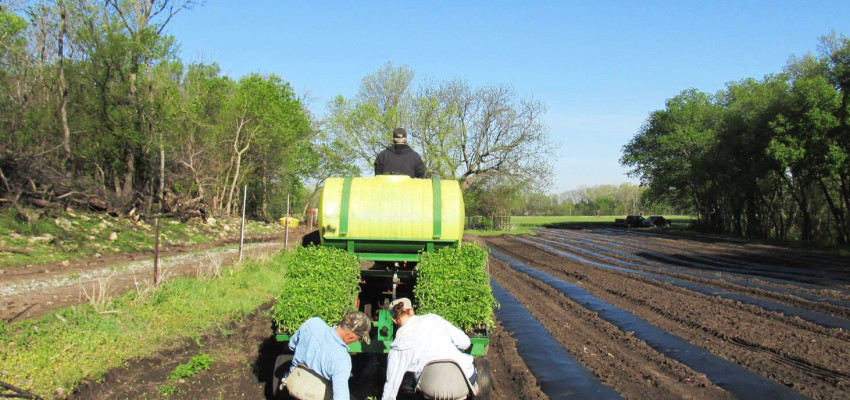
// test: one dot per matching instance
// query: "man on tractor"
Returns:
(399, 159)
(321, 364)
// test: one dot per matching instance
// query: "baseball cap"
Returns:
(402, 300)
(399, 133)
(359, 323)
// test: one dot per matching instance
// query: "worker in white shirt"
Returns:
(421, 339)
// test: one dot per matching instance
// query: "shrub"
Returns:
(454, 283)
(320, 282)
(198, 363)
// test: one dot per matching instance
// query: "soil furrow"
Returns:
(769, 258)
(835, 307)
(619, 359)
(698, 260)
(715, 323)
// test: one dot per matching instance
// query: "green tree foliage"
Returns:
(362, 125)
(763, 158)
(12, 56)
(97, 109)
(464, 133)
(674, 145)
(623, 199)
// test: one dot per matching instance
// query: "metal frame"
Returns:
(391, 250)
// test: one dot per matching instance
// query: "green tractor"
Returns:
(389, 222)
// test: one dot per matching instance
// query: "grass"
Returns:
(59, 350)
(167, 390)
(59, 235)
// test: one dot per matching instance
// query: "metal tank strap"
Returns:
(343, 211)
(438, 215)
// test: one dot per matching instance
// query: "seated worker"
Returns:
(324, 351)
(421, 339)
(399, 159)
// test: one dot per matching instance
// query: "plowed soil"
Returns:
(811, 359)
(244, 362)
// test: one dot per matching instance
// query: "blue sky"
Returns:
(600, 67)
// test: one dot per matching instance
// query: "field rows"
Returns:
(634, 308)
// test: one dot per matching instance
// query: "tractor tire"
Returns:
(485, 383)
(311, 239)
(281, 367)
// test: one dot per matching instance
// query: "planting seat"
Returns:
(445, 380)
(305, 384)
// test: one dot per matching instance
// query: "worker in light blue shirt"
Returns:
(321, 364)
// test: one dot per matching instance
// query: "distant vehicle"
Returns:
(631, 221)
(656, 221)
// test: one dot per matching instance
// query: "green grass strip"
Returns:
(454, 284)
(63, 348)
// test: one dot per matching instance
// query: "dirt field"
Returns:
(245, 361)
(646, 315)
(243, 369)
(650, 277)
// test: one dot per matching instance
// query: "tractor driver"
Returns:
(321, 359)
(399, 159)
(421, 339)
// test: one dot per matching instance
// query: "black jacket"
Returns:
(399, 159)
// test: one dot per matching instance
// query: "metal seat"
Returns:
(305, 384)
(445, 380)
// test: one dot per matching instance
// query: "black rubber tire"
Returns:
(485, 383)
(281, 365)
(311, 239)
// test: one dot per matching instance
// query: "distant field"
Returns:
(523, 225)
(535, 222)
(540, 221)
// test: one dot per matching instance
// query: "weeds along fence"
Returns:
(498, 223)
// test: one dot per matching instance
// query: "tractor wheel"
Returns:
(485, 384)
(281, 366)
(311, 239)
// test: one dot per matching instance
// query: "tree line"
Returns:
(598, 200)
(489, 138)
(623, 199)
(766, 158)
(98, 111)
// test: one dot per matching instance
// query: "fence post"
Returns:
(286, 241)
(156, 254)
(242, 229)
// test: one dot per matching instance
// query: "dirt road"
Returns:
(28, 292)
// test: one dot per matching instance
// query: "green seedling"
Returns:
(320, 282)
(196, 365)
(166, 390)
(454, 283)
